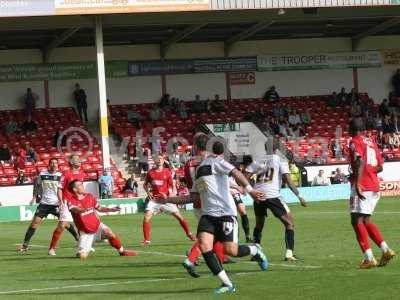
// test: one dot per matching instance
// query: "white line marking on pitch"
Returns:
(182, 256)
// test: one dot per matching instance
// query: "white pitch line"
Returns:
(344, 212)
(182, 256)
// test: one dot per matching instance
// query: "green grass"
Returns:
(324, 240)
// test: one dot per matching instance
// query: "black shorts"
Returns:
(238, 200)
(277, 206)
(43, 210)
(224, 229)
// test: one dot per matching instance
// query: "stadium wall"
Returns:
(375, 81)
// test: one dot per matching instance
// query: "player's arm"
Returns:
(146, 187)
(78, 210)
(286, 179)
(178, 200)
(358, 166)
(242, 181)
(107, 209)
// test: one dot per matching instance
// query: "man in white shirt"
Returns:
(321, 179)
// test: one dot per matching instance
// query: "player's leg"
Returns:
(182, 221)
(245, 220)
(357, 221)
(36, 221)
(105, 233)
(148, 214)
(206, 241)
(85, 243)
(61, 225)
(260, 212)
(288, 222)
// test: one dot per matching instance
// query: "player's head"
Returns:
(159, 160)
(272, 145)
(76, 187)
(75, 161)
(200, 143)
(53, 164)
(356, 127)
(218, 148)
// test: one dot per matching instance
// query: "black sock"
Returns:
(71, 230)
(257, 234)
(289, 239)
(213, 262)
(243, 250)
(28, 235)
(245, 225)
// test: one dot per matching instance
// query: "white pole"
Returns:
(101, 79)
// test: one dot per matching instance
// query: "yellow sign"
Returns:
(391, 57)
(68, 7)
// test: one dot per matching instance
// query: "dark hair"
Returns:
(53, 158)
(201, 142)
(72, 184)
(218, 148)
(355, 126)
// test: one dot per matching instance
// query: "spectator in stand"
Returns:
(393, 141)
(342, 97)
(29, 125)
(271, 95)
(339, 177)
(333, 100)
(56, 137)
(384, 108)
(296, 131)
(31, 154)
(273, 124)
(217, 105)
(395, 124)
(21, 179)
(197, 105)
(377, 121)
(182, 110)
(131, 185)
(380, 140)
(181, 187)
(21, 158)
(352, 97)
(106, 182)
(30, 100)
(387, 126)
(5, 154)
(81, 102)
(294, 118)
(355, 109)
(396, 82)
(155, 113)
(306, 117)
(369, 120)
(321, 179)
(11, 126)
(164, 102)
(134, 117)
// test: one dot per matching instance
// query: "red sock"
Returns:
(362, 236)
(219, 251)
(185, 226)
(146, 231)
(116, 243)
(195, 253)
(56, 237)
(374, 233)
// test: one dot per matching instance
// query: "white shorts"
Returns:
(197, 213)
(366, 206)
(65, 214)
(86, 240)
(159, 207)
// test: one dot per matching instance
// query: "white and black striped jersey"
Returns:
(49, 183)
(212, 183)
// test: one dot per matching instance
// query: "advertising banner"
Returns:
(391, 57)
(390, 188)
(16, 8)
(313, 61)
(73, 7)
(242, 78)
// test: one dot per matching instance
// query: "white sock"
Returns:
(120, 250)
(368, 254)
(188, 262)
(384, 247)
(253, 250)
(224, 278)
(289, 253)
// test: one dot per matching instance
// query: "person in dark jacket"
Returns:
(81, 103)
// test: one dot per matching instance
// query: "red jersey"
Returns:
(190, 176)
(66, 178)
(160, 180)
(367, 150)
(88, 221)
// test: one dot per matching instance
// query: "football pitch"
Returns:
(325, 243)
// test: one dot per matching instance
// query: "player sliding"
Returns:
(269, 180)
(49, 182)
(218, 220)
(84, 208)
(159, 182)
(366, 162)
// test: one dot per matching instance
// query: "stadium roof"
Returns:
(228, 26)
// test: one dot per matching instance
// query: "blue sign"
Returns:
(158, 67)
(225, 65)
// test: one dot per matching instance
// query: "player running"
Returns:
(159, 181)
(84, 208)
(269, 177)
(75, 173)
(218, 221)
(366, 162)
(49, 182)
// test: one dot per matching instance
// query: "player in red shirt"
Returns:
(159, 182)
(65, 220)
(84, 208)
(366, 162)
